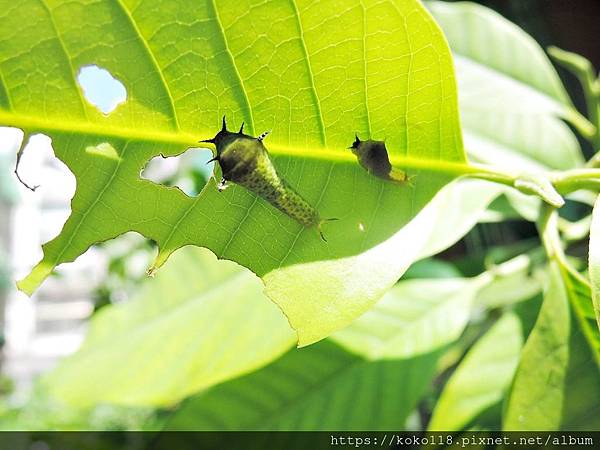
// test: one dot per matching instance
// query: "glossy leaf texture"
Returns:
(415, 317)
(314, 73)
(594, 260)
(169, 340)
(582, 387)
(511, 97)
(508, 117)
(318, 388)
(536, 399)
(482, 378)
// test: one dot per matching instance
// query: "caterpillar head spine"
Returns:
(238, 154)
(222, 137)
(373, 157)
(355, 145)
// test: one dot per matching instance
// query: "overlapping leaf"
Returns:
(200, 322)
(511, 97)
(415, 317)
(315, 73)
(317, 388)
(594, 260)
(482, 378)
(536, 399)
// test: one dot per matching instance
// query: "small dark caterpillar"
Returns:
(373, 157)
(244, 160)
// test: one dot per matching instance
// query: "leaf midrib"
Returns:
(37, 125)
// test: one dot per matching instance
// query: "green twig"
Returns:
(583, 69)
(575, 179)
(549, 231)
(594, 161)
(547, 226)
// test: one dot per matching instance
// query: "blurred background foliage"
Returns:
(440, 351)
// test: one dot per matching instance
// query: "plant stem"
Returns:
(594, 161)
(583, 69)
(547, 226)
(575, 179)
(548, 229)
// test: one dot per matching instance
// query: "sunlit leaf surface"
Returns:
(313, 72)
(317, 388)
(200, 322)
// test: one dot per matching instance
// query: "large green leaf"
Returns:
(511, 97)
(313, 72)
(513, 282)
(481, 379)
(580, 296)
(510, 94)
(460, 205)
(200, 322)
(415, 317)
(582, 387)
(537, 395)
(316, 388)
(594, 260)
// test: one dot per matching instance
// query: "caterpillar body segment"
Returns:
(244, 160)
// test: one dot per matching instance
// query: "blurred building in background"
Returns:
(40, 330)
(51, 324)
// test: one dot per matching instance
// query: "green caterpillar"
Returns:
(373, 157)
(244, 160)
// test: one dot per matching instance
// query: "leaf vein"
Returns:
(234, 66)
(153, 60)
(91, 208)
(310, 73)
(67, 57)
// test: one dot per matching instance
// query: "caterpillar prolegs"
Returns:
(244, 160)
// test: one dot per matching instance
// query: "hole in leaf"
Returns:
(101, 89)
(188, 171)
(38, 216)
